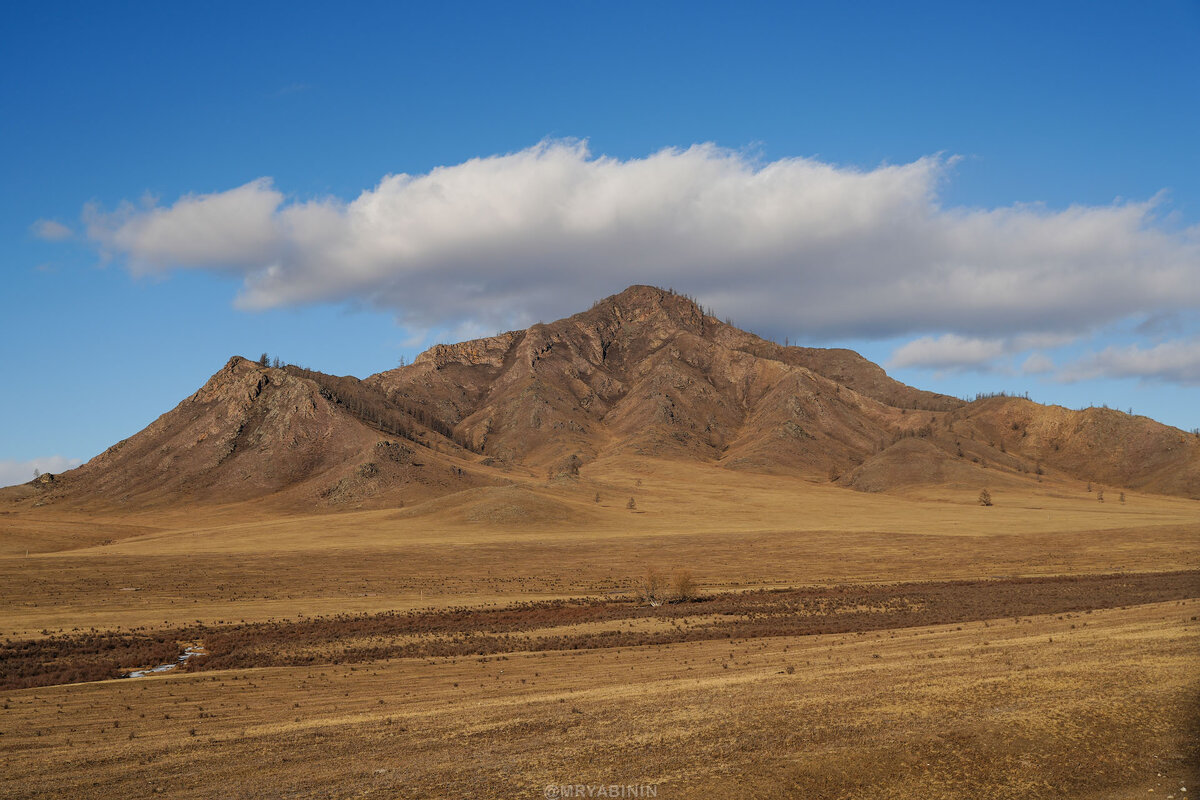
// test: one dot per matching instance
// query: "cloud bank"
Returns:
(949, 351)
(953, 352)
(1176, 361)
(793, 245)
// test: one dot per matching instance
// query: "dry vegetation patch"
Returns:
(584, 624)
(1094, 706)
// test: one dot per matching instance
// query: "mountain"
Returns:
(253, 432)
(645, 372)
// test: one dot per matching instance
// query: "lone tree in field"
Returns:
(683, 587)
(985, 498)
(652, 587)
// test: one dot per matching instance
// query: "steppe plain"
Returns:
(1090, 694)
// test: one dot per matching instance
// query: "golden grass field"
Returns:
(1092, 704)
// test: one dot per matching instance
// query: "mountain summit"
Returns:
(645, 372)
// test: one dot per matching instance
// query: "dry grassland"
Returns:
(532, 541)
(1099, 705)
(700, 700)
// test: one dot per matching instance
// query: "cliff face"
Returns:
(642, 372)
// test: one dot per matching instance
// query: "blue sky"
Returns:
(979, 197)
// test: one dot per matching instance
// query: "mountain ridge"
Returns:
(645, 372)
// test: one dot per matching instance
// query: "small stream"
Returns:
(189, 651)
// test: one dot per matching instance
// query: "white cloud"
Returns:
(1038, 364)
(954, 352)
(795, 245)
(949, 351)
(15, 472)
(233, 230)
(51, 230)
(1176, 361)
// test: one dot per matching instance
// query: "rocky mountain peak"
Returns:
(643, 372)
